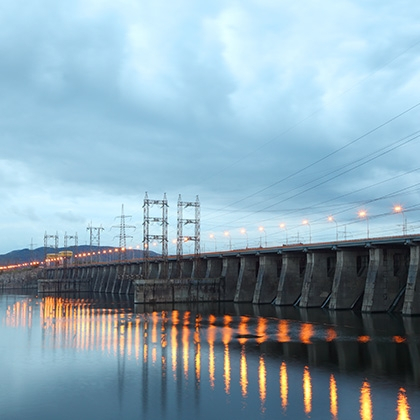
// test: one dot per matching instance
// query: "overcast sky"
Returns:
(270, 111)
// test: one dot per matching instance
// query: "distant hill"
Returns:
(26, 255)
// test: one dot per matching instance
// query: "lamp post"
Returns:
(261, 229)
(283, 226)
(244, 232)
(363, 214)
(227, 234)
(211, 236)
(399, 209)
(331, 219)
(306, 222)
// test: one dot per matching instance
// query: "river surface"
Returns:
(102, 357)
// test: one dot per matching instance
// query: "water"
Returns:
(86, 357)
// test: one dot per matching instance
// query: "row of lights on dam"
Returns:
(362, 214)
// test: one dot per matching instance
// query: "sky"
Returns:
(271, 112)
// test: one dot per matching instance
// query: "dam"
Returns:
(371, 275)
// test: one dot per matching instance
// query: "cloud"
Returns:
(235, 102)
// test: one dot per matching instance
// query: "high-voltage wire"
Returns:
(310, 116)
(321, 159)
(337, 175)
(354, 165)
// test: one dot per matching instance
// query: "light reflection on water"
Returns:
(204, 362)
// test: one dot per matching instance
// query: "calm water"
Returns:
(92, 357)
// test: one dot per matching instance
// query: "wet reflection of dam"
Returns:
(292, 362)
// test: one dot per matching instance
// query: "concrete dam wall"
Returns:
(376, 276)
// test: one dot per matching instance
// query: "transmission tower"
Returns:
(31, 249)
(123, 226)
(181, 238)
(95, 235)
(163, 221)
(71, 237)
(46, 242)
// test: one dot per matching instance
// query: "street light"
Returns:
(306, 222)
(261, 229)
(363, 214)
(214, 238)
(399, 209)
(244, 232)
(331, 219)
(227, 234)
(283, 226)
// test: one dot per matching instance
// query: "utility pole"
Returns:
(31, 250)
(94, 235)
(147, 221)
(74, 237)
(76, 243)
(163, 221)
(181, 238)
(123, 226)
(46, 242)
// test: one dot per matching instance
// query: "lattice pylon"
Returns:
(181, 238)
(148, 220)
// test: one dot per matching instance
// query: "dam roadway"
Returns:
(371, 275)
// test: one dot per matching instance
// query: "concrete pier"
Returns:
(349, 278)
(267, 279)
(291, 278)
(412, 292)
(386, 278)
(247, 277)
(317, 283)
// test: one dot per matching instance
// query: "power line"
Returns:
(319, 160)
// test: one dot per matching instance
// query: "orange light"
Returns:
(307, 391)
(284, 386)
(366, 412)
(262, 381)
(283, 331)
(403, 408)
(306, 332)
(331, 335)
(243, 373)
(333, 398)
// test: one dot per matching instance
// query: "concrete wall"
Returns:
(177, 290)
(412, 292)
(60, 285)
(230, 275)
(267, 279)
(349, 278)
(247, 279)
(291, 278)
(317, 283)
(386, 278)
(377, 279)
